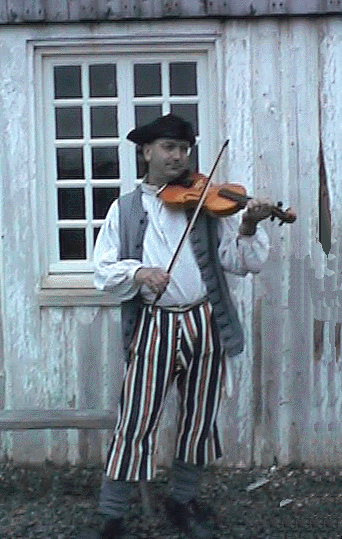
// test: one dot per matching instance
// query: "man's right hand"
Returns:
(156, 279)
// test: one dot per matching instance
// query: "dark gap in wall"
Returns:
(338, 340)
(257, 361)
(324, 205)
(318, 339)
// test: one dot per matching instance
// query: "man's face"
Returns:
(167, 159)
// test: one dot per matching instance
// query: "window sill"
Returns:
(73, 290)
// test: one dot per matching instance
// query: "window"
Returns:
(89, 104)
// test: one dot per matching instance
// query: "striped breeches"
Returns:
(168, 346)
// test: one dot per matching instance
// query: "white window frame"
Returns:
(72, 283)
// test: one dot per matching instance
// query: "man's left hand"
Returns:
(258, 209)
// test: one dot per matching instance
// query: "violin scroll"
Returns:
(285, 216)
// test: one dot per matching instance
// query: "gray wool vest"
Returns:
(204, 240)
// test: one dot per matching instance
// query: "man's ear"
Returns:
(146, 151)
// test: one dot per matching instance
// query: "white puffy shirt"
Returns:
(164, 230)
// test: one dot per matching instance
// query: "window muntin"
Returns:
(94, 102)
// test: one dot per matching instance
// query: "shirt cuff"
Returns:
(133, 269)
(259, 236)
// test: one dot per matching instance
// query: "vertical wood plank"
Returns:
(236, 415)
(325, 280)
(130, 8)
(33, 10)
(110, 9)
(3, 11)
(57, 10)
(88, 10)
(286, 95)
(303, 189)
(266, 94)
(90, 377)
(15, 10)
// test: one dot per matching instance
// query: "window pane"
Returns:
(67, 81)
(72, 244)
(144, 114)
(70, 163)
(71, 203)
(183, 78)
(69, 122)
(102, 199)
(96, 233)
(147, 80)
(188, 112)
(104, 122)
(102, 79)
(105, 162)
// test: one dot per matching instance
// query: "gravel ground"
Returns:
(279, 503)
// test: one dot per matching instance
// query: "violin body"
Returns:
(179, 197)
(220, 201)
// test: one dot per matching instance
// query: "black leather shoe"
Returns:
(112, 529)
(190, 518)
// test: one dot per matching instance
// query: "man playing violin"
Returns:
(183, 336)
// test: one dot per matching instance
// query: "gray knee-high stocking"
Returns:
(114, 497)
(184, 482)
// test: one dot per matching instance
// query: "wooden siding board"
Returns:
(130, 9)
(109, 9)
(331, 103)
(17, 11)
(325, 271)
(3, 11)
(172, 8)
(236, 416)
(56, 419)
(24, 380)
(34, 11)
(265, 46)
(285, 92)
(57, 10)
(88, 10)
(305, 73)
(303, 180)
(90, 376)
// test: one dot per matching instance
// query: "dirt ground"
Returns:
(277, 503)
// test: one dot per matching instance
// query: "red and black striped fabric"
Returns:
(169, 346)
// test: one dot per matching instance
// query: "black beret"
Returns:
(169, 126)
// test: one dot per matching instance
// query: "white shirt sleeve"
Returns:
(109, 272)
(248, 254)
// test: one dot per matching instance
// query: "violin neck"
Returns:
(232, 195)
(284, 216)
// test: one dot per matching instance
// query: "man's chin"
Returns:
(174, 173)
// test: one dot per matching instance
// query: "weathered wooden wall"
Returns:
(278, 98)
(19, 11)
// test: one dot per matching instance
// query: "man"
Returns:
(183, 336)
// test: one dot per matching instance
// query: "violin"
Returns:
(195, 191)
(221, 200)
